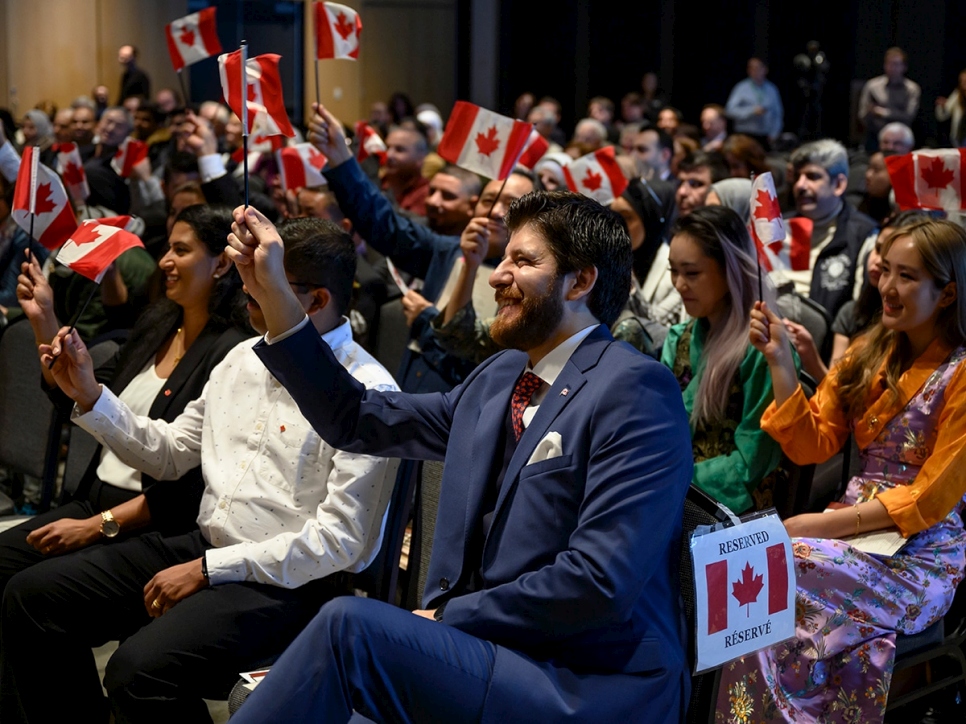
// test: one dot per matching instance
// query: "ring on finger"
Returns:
(155, 604)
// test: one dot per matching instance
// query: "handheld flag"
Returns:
(192, 38)
(337, 31)
(370, 143)
(40, 194)
(94, 246)
(596, 175)
(264, 92)
(130, 153)
(300, 166)
(72, 171)
(931, 179)
(537, 146)
(482, 141)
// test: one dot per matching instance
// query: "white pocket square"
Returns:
(550, 447)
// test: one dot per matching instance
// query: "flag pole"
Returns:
(761, 293)
(244, 109)
(184, 88)
(489, 214)
(73, 322)
(318, 93)
(30, 241)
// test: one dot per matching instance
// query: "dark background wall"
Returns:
(575, 49)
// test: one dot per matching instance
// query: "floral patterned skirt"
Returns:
(848, 608)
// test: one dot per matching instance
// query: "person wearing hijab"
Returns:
(734, 194)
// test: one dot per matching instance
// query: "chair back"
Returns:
(699, 509)
(811, 315)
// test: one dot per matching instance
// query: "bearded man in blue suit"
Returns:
(552, 590)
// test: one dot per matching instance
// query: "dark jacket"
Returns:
(833, 277)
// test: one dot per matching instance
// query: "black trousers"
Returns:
(57, 610)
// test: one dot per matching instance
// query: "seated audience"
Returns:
(696, 173)
(402, 176)
(724, 379)
(744, 156)
(554, 583)
(714, 125)
(732, 193)
(282, 516)
(900, 391)
(896, 138)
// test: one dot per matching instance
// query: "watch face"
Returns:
(110, 528)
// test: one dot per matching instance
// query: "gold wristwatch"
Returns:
(109, 527)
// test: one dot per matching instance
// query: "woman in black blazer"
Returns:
(177, 341)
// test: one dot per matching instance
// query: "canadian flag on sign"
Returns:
(263, 94)
(537, 146)
(596, 175)
(94, 246)
(337, 31)
(300, 166)
(370, 143)
(129, 154)
(930, 179)
(40, 193)
(745, 587)
(192, 38)
(482, 141)
(72, 171)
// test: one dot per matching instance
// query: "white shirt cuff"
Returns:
(287, 333)
(211, 167)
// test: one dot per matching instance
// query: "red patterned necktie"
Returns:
(525, 387)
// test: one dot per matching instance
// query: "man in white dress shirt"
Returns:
(283, 514)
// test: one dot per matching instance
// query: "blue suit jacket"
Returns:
(579, 569)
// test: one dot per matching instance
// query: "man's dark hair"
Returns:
(581, 233)
(472, 183)
(151, 107)
(411, 123)
(711, 160)
(320, 253)
(180, 162)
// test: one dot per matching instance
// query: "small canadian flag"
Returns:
(72, 172)
(263, 95)
(130, 153)
(931, 179)
(300, 166)
(483, 141)
(370, 143)
(537, 146)
(596, 175)
(337, 31)
(38, 192)
(192, 38)
(95, 245)
(745, 586)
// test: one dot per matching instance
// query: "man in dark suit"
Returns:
(553, 582)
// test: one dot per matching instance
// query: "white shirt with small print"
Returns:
(280, 505)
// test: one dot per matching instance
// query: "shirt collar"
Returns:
(338, 336)
(549, 368)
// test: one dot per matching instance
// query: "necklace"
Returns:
(178, 357)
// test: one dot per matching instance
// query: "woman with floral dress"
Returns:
(901, 391)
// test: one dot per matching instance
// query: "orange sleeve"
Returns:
(941, 483)
(809, 431)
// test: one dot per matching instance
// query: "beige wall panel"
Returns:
(140, 22)
(4, 44)
(51, 51)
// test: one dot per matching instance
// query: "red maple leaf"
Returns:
(489, 143)
(746, 589)
(73, 174)
(592, 181)
(44, 203)
(936, 175)
(316, 159)
(86, 234)
(767, 208)
(187, 36)
(343, 28)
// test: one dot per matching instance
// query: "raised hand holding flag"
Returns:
(95, 245)
(483, 141)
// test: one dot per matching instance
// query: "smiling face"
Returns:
(82, 125)
(405, 152)
(528, 293)
(699, 279)
(188, 268)
(448, 207)
(516, 186)
(911, 299)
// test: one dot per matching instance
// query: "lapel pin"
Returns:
(281, 428)
(167, 393)
(564, 391)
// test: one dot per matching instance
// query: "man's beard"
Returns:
(533, 324)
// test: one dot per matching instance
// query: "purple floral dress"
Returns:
(850, 604)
